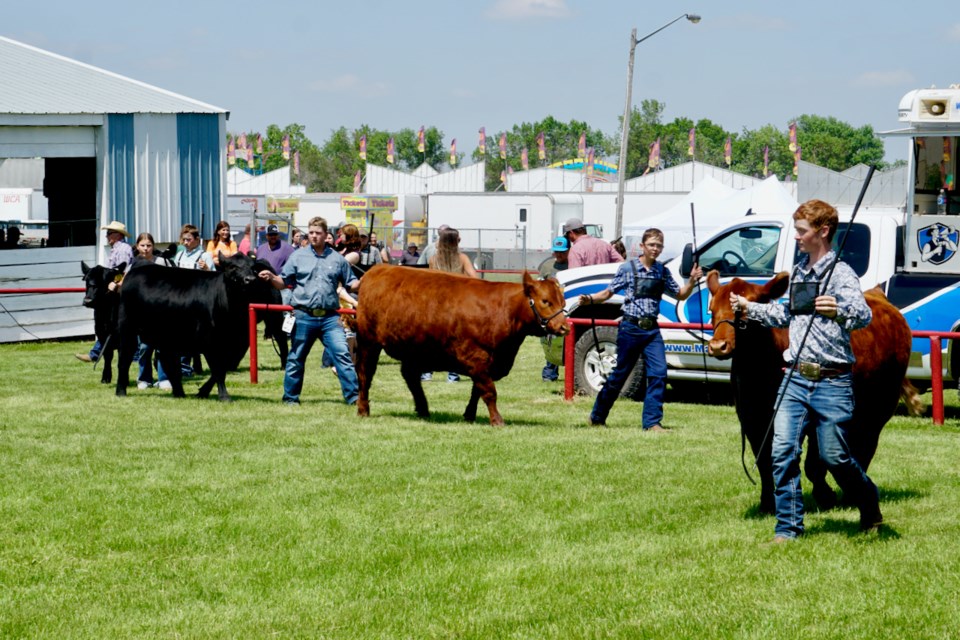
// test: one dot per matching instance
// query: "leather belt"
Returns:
(316, 313)
(643, 322)
(814, 372)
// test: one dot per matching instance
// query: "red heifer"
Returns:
(435, 321)
(882, 349)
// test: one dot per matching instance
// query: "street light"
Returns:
(622, 166)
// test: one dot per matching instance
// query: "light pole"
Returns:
(622, 166)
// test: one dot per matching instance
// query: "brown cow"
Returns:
(435, 321)
(882, 349)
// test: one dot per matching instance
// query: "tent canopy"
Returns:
(714, 206)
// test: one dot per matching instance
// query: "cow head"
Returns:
(724, 319)
(97, 281)
(546, 301)
(238, 271)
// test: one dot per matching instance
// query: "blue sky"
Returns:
(462, 64)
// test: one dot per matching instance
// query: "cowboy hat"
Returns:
(119, 227)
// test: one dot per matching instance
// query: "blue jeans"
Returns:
(631, 342)
(551, 372)
(306, 330)
(144, 358)
(826, 406)
(95, 350)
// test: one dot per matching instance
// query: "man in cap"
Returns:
(411, 255)
(585, 250)
(120, 253)
(274, 250)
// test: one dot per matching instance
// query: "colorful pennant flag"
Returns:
(231, 151)
(541, 150)
(582, 146)
(482, 142)
(728, 151)
(691, 142)
(453, 152)
(296, 163)
(242, 142)
(654, 160)
(589, 165)
(250, 157)
(524, 159)
(259, 145)
(793, 137)
(286, 147)
(390, 150)
(796, 161)
(503, 146)
(356, 181)
(766, 161)
(503, 177)
(363, 147)
(420, 146)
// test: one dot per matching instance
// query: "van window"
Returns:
(856, 251)
(746, 251)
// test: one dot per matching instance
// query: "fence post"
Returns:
(253, 343)
(569, 352)
(936, 379)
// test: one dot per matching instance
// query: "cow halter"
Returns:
(543, 321)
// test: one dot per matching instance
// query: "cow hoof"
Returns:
(470, 418)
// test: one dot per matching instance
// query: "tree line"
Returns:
(333, 165)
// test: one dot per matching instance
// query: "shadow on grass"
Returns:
(851, 529)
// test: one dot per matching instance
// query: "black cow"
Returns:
(184, 311)
(272, 321)
(105, 304)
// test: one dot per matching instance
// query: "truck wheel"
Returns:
(593, 365)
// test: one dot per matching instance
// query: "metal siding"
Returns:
(157, 177)
(47, 142)
(121, 155)
(201, 170)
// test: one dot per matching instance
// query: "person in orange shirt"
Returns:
(221, 243)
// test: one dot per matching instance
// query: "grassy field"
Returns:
(152, 517)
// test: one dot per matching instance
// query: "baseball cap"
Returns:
(572, 224)
(273, 229)
(560, 243)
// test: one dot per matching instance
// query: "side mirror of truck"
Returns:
(686, 262)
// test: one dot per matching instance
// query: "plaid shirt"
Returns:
(624, 281)
(829, 340)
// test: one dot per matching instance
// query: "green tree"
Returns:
(837, 145)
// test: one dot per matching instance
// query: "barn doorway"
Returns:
(70, 185)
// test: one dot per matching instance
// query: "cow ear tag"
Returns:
(117, 278)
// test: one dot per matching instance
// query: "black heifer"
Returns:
(184, 311)
(105, 304)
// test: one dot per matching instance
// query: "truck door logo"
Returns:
(937, 243)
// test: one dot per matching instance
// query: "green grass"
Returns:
(152, 517)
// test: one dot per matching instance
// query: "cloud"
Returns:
(349, 83)
(884, 79)
(522, 9)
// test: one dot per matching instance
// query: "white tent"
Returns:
(715, 205)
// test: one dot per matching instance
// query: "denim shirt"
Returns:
(829, 341)
(314, 277)
(623, 281)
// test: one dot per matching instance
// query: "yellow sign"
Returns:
(370, 203)
(283, 205)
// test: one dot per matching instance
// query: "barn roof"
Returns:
(40, 82)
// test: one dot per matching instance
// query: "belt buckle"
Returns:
(318, 313)
(810, 371)
(646, 323)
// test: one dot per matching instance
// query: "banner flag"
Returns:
(796, 162)
(728, 151)
(766, 161)
(420, 145)
(524, 159)
(250, 157)
(296, 162)
(793, 137)
(286, 147)
(356, 181)
(363, 147)
(259, 145)
(691, 141)
(503, 146)
(390, 150)
(231, 151)
(582, 146)
(654, 160)
(482, 142)
(541, 151)
(453, 152)
(242, 142)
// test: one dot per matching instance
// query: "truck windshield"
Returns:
(746, 251)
